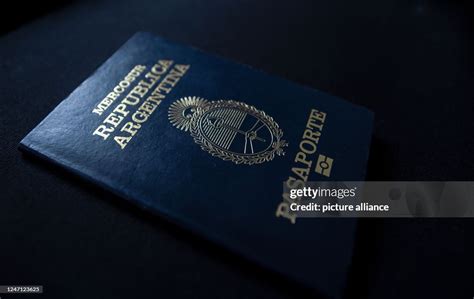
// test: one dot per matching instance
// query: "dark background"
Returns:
(411, 62)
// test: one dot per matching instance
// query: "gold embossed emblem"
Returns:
(230, 130)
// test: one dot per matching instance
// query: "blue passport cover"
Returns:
(209, 143)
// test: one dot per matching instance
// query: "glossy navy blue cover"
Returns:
(164, 170)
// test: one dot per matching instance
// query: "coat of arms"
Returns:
(230, 130)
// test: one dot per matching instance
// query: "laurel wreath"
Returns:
(276, 148)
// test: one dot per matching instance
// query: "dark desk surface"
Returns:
(410, 62)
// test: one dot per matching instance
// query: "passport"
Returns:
(207, 143)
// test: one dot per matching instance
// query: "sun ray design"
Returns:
(181, 111)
